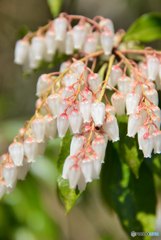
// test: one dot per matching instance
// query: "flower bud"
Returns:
(30, 149)
(38, 128)
(33, 63)
(116, 72)
(79, 34)
(118, 101)
(2, 188)
(135, 86)
(134, 122)
(85, 109)
(69, 45)
(153, 67)
(75, 121)
(76, 144)
(68, 163)
(62, 124)
(43, 84)
(99, 147)
(132, 101)
(157, 141)
(87, 95)
(155, 110)
(64, 104)
(70, 79)
(9, 174)
(77, 67)
(87, 168)
(107, 41)
(144, 69)
(107, 23)
(156, 121)
(97, 166)
(74, 175)
(53, 103)
(148, 85)
(23, 170)
(123, 84)
(90, 45)
(16, 151)
(81, 183)
(94, 81)
(21, 52)
(51, 43)
(141, 131)
(64, 66)
(152, 95)
(142, 112)
(110, 110)
(38, 47)
(60, 26)
(41, 148)
(110, 126)
(10, 190)
(98, 113)
(50, 126)
(43, 110)
(147, 145)
(3, 159)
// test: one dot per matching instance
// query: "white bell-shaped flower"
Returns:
(152, 95)
(77, 67)
(157, 141)
(156, 121)
(110, 126)
(51, 43)
(132, 101)
(118, 102)
(62, 125)
(107, 23)
(43, 84)
(50, 126)
(148, 85)
(144, 68)
(81, 183)
(16, 151)
(87, 94)
(67, 92)
(38, 47)
(10, 190)
(21, 52)
(69, 45)
(97, 165)
(79, 35)
(43, 110)
(155, 110)
(68, 163)
(153, 67)
(75, 121)
(110, 110)
(74, 175)
(141, 131)
(135, 86)
(53, 103)
(99, 147)
(33, 63)
(2, 188)
(94, 81)
(38, 128)
(123, 84)
(87, 168)
(61, 46)
(90, 45)
(9, 174)
(63, 105)
(97, 35)
(107, 41)
(142, 111)
(31, 149)
(41, 148)
(147, 145)
(98, 113)
(64, 66)
(60, 26)
(85, 109)
(76, 144)
(23, 170)
(116, 72)
(70, 79)
(3, 158)
(134, 122)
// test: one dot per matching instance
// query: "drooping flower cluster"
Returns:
(75, 99)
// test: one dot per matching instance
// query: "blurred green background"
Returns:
(35, 211)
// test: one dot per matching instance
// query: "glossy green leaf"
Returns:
(145, 29)
(55, 6)
(132, 199)
(69, 196)
(128, 147)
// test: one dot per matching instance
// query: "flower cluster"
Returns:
(76, 98)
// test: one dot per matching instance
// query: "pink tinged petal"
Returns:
(94, 81)
(123, 84)
(2, 188)
(98, 113)
(64, 66)
(148, 85)
(9, 174)
(21, 52)
(43, 84)
(16, 151)
(147, 145)
(153, 67)
(107, 23)
(155, 110)
(74, 175)
(99, 147)
(43, 110)
(38, 47)
(110, 110)
(107, 41)
(62, 106)
(152, 95)
(23, 170)
(134, 122)
(60, 26)
(85, 109)
(118, 102)
(132, 101)
(110, 126)
(38, 128)
(53, 103)
(76, 144)
(62, 125)
(87, 168)
(75, 121)
(31, 149)
(79, 35)
(67, 92)
(70, 79)
(156, 121)
(87, 94)
(77, 67)
(90, 45)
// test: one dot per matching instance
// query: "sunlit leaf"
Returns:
(55, 6)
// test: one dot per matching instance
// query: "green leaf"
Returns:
(154, 164)
(128, 147)
(55, 6)
(134, 200)
(145, 29)
(69, 196)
